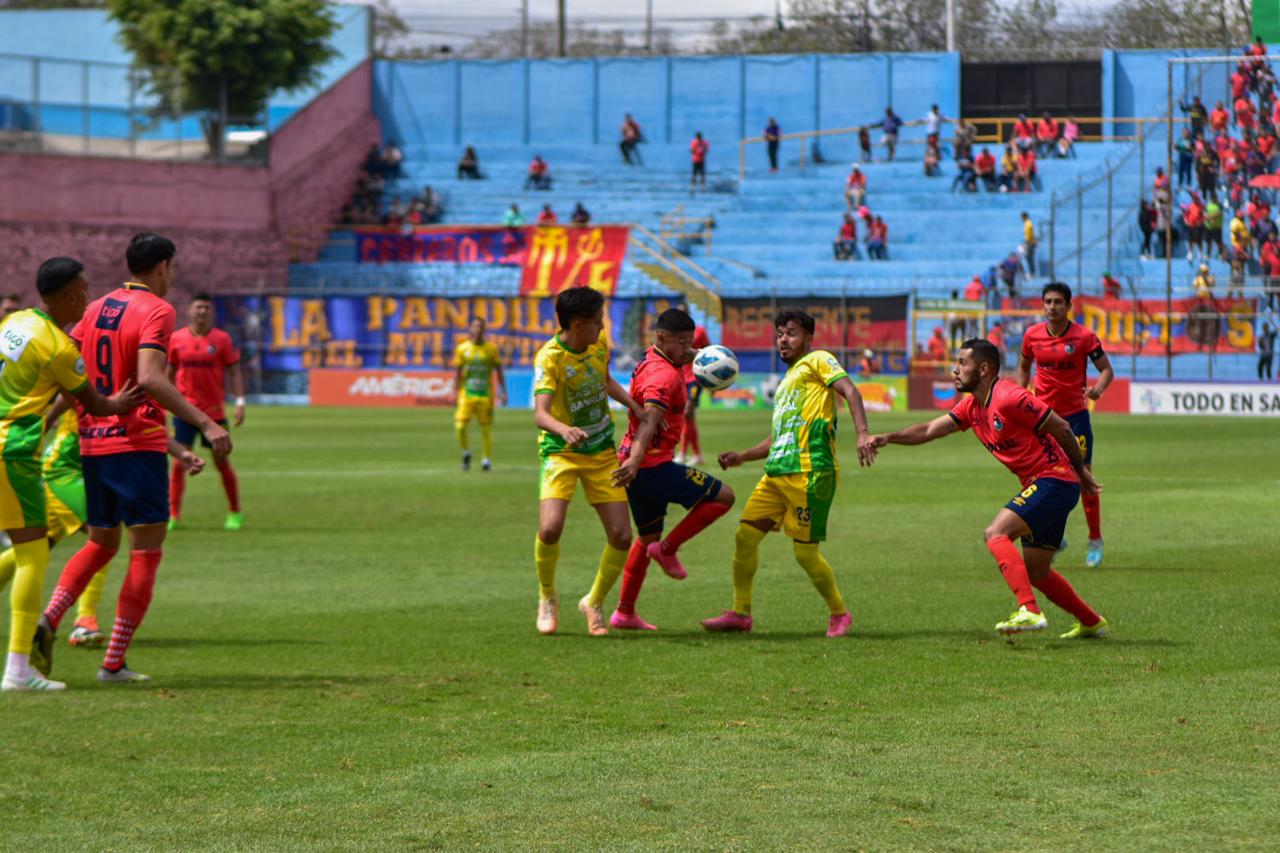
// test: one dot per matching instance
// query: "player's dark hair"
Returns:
(575, 302)
(55, 274)
(1057, 287)
(792, 314)
(983, 350)
(148, 251)
(675, 320)
(478, 319)
(201, 296)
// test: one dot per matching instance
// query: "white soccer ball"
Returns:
(715, 367)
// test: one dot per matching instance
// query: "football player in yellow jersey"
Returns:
(572, 387)
(477, 360)
(800, 471)
(36, 360)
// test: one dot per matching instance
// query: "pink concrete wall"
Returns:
(235, 226)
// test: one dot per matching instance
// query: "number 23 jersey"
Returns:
(1009, 423)
(112, 332)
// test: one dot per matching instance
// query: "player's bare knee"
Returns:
(550, 534)
(620, 539)
(991, 532)
(726, 496)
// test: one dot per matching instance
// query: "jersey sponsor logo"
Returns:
(111, 314)
(14, 340)
(118, 431)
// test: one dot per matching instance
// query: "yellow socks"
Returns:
(545, 558)
(746, 559)
(611, 564)
(87, 607)
(8, 563)
(486, 434)
(28, 588)
(462, 436)
(823, 577)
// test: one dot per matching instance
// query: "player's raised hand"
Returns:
(574, 435)
(191, 462)
(1088, 485)
(219, 439)
(730, 459)
(128, 398)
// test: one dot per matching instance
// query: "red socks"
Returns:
(1014, 570)
(177, 487)
(691, 437)
(135, 598)
(80, 569)
(229, 483)
(698, 519)
(1060, 592)
(633, 574)
(1093, 514)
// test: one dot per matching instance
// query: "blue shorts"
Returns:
(1044, 506)
(186, 434)
(668, 483)
(130, 487)
(1083, 428)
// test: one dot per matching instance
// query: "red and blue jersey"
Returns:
(200, 363)
(1010, 423)
(1062, 364)
(657, 382)
(110, 335)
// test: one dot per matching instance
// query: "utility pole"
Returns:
(951, 25)
(648, 26)
(524, 28)
(560, 26)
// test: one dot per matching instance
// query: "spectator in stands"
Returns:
(966, 135)
(9, 303)
(891, 124)
(985, 168)
(1266, 146)
(513, 218)
(430, 205)
(469, 165)
(1029, 242)
(395, 214)
(547, 216)
(1219, 118)
(933, 121)
(373, 164)
(698, 149)
(1198, 114)
(1024, 134)
(966, 177)
(855, 188)
(1235, 283)
(932, 158)
(1111, 287)
(974, 291)
(864, 143)
(375, 184)
(1204, 283)
(938, 349)
(1067, 142)
(580, 216)
(1161, 183)
(878, 240)
(1008, 167)
(996, 336)
(1266, 348)
(772, 139)
(1193, 218)
(1246, 115)
(1186, 157)
(1025, 175)
(539, 176)
(1239, 81)
(1207, 168)
(868, 365)
(1047, 132)
(1163, 224)
(1269, 260)
(846, 245)
(393, 160)
(1241, 239)
(631, 137)
(1010, 271)
(1146, 225)
(1213, 229)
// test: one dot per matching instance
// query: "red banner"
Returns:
(878, 322)
(1221, 325)
(331, 387)
(569, 257)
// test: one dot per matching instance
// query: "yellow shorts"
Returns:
(63, 520)
(561, 473)
(480, 408)
(797, 504)
(22, 502)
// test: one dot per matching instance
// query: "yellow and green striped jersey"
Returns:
(61, 456)
(478, 362)
(36, 360)
(804, 417)
(577, 383)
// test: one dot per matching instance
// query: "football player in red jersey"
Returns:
(692, 448)
(201, 359)
(1061, 351)
(126, 336)
(648, 470)
(1037, 445)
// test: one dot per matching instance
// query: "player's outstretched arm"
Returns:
(1022, 375)
(639, 445)
(543, 420)
(853, 397)
(733, 458)
(926, 431)
(190, 461)
(126, 399)
(1106, 373)
(615, 390)
(152, 376)
(1061, 432)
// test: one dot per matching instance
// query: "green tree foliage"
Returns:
(223, 58)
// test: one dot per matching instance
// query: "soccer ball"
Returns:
(715, 367)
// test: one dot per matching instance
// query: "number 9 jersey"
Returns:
(112, 332)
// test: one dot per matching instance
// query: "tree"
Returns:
(388, 28)
(51, 4)
(223, 58)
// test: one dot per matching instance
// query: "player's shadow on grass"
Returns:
(238, 642)
(690, 637)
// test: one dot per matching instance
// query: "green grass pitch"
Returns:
(358, 668)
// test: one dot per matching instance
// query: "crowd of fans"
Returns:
(365, 207)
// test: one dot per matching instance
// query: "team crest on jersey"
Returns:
(1070, 348)
(569, 371)
(997, 423)
(211, 349)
